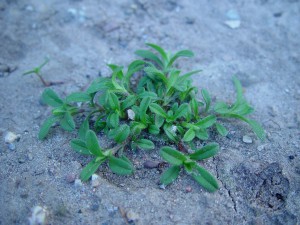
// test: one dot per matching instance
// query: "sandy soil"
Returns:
(259, 181)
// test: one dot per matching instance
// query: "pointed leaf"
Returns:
(91, 168)
(172, 156)
(113, 120)
(79, 146)
(202, 134)
(128, 102)
(221, 107)
(120, 166)
(207, 151)
(150, 56)
(206, 122)
(78, 97)
(205, 179)
(44, 130)
(189, 135)
(83, 129)
(221, 129)
(113, 101)
(183, 53)
(67, 122)
(170, 175)
(120, 133)
(206, 98)
(143, 108)
(92, 143)
(181, 111)
(160, 50)
(153, 129)
(155, 108)
(145, 144)
(51, 98)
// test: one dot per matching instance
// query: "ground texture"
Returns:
(259, 180)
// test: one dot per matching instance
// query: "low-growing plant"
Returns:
(162, 102)
(37, 72)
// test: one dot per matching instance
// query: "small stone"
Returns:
(10, 137)
(77, 183)
(247, 139)
(188, 189)
(4, 68)
(29, 8)
(261, 147)
(21, 160)
(122, 185)
(70, 178)
(30, 156)
(132, 216)
(162, 186)
(11, 146)
(151, 164)
(233, 24)
(95, 206)
(38, 216)
(130, 114)
(95, 180)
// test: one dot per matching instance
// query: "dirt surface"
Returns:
(259, 180)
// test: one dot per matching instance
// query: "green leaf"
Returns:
(44, 130)
(181, 111)
(51, 98)
(156, 74)
(189, 135)
(83, 129)
(113, 120)
(221, 129)
(78, 97)
(195, 106)
(202, 134)
(145, 144)
(143, 108)
(160, 50)
(128, 102)
(221, 107)
(170, 175)
(155, 108)
(205, 179)
(91, 168)
(120, 166)
(206, 98)
(172, 156)
(100, 84)
(150, 56)
(239, 90)
(147, 94)
(153, 129)
(79, 146)
(174, 74)
(207, 151)
(113, 101)
(120, 133)
(159, 120)
(92, 143)
(183, 53)
(206, 122)
(67, 122)
(185, 77)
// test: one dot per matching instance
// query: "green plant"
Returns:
(162, 103)
(37, 72)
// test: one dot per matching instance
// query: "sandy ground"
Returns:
(259, 181)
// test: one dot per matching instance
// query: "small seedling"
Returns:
(37, 72)
(163, 103)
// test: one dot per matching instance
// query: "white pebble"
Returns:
(38, 216)
(10, 137)
(247, 139)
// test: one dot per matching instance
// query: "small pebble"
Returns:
(11, 146)
(30, 156)
(77, 183)
(70, 178)
(38, 216)
(188, 189)
(130, 114)
(261, 147)
(162, 186)
(21, 160)
(247, 139)
(10, 137)
(233, 24)
(132, 216)
(95, 180)
(151, 164)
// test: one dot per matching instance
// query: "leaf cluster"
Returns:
(163, 103)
